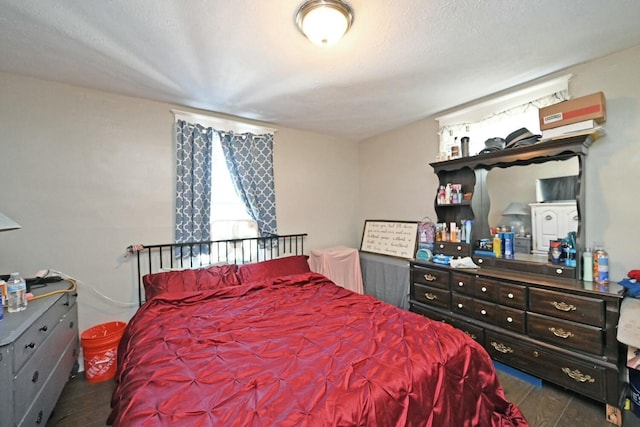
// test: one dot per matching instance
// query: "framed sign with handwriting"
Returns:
(393, 238)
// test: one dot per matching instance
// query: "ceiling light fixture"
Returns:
(324, 22)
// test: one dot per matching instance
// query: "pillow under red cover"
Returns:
(190, 280)
(286, 266)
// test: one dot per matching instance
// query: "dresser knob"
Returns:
(30, 345)
(480, 260)
(461, 284)
(484, 289)
(483, 312)
(510, 319)
(536, 354)
(459, 248)
(44, 328)
(441, 246)
(559, 270)
(510, 295)
(460, 306)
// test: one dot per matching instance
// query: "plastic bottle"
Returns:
(447, 194)
(497, 246)
(467, 225)
(600, 266)
(587, 265)
(508, 245)
(16, 293)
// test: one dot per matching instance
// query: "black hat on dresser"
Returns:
(520, 137)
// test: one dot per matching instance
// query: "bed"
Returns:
(270, 343)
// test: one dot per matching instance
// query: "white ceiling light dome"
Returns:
(324, 22)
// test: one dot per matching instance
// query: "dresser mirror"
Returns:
(514, 189)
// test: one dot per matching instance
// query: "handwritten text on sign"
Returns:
(390, 238)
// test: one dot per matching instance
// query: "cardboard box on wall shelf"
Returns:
(573, 111)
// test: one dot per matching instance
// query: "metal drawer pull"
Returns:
(563, 306)
(483, 312)
(470, 334)
(578, 376)
(483, 289)
(510, 295)
(575, 218)
(510, 319)
(30, 345)
(430, 277)
(480, 260)
(561, 333)
(44, 328)
(548, 217)
(459, 248)
(501, 347)
(558, 271)
(430, 296)
(460, 306)
(461, 284)
(441, 246)
(35, 376)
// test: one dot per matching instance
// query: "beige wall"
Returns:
(396, 179)
(87, 173)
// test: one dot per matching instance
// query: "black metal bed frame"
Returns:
(155, 258)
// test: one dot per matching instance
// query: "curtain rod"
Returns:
(222, 124)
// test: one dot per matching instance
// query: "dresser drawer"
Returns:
(585, 378)
(462, 304)
(473, 331)
(513, 295)
(430, 276)
(570, 307)
(462, 283)
(567, 334)
(485, 311)
(40, 409)
(31, 340)
(431, 296)
(34, 373)
(486, 289)
(452, 248)
(511, 318)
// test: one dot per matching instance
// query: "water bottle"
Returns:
(17, 293)
(587, 264)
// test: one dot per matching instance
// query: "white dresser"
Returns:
(552, 221)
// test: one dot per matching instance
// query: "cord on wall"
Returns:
(80, 282)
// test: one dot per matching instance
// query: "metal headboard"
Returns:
(156, 258)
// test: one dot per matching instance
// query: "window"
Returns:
(229, 217)
(214, 157)
(499, 116)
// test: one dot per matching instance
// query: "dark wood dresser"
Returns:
(560, 330)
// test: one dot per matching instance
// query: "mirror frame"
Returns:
(559, 149)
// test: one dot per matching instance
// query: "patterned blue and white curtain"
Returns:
(249, 158)
(193, 188)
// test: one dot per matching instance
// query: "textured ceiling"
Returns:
(402, 60)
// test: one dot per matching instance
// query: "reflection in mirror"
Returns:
(513, 188)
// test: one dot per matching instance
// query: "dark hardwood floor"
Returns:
(88, 405)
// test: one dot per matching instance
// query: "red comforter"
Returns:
(300, 351)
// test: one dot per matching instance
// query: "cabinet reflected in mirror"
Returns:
(517, 184)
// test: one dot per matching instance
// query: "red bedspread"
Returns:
(300, 351)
